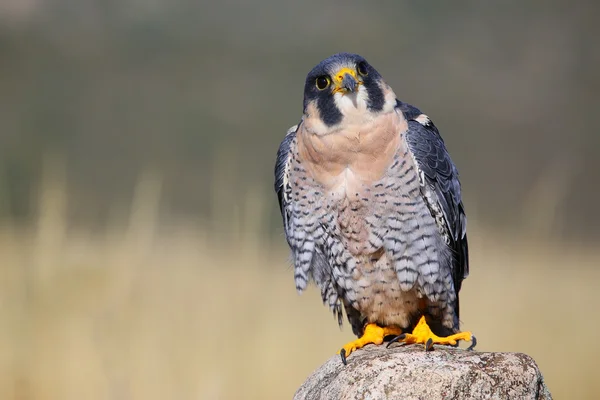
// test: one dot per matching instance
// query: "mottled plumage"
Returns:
(371, 203)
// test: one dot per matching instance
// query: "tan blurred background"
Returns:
(141, 249)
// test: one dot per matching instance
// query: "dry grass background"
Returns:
(150, 310)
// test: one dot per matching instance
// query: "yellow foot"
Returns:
(423, 334)
(372, 334)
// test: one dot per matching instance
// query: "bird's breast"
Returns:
(346, 182)
(347, 166)
(355, 155)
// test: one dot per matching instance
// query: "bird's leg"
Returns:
(372, 334)
(423, 334)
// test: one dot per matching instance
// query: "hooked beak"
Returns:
(349, 83)
(345, 81)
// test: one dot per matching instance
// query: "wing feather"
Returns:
(440, 186)
(282, 186)
(316, 267)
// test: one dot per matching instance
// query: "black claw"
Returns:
(429, 344)
(343, 355)
(473, 342)
(397, 338)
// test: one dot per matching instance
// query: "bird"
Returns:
(372, 210)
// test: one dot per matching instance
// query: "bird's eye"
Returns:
(362, 68)
(323, 82)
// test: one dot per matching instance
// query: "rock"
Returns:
(408, 372)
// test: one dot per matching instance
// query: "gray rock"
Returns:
(408, 372)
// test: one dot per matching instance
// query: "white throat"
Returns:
(352, 104)
(354, 109)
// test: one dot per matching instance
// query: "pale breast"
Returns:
(368, 193)
(347, 165)
(359, 154)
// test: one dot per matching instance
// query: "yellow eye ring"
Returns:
(322, 82)
(362, 68)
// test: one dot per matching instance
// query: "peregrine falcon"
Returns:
(372, 209)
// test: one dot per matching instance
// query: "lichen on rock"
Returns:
(408, 372)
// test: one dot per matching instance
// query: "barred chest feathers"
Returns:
(369, 194)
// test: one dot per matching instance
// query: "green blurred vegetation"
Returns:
(121, 86)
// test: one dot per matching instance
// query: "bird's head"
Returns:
(345, 86)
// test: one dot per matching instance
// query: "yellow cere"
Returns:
(339, 77)
(341, 73)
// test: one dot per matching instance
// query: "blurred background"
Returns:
(141, 248)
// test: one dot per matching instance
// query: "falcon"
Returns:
(372, 209)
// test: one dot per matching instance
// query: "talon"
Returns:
(423, 334)
(396, 339)
(372, 334)
(473, 343)
(343, 355)
(429, 345)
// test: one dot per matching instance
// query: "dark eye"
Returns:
(323, 82)
(362, 68)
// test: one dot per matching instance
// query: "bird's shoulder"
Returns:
(282, 163)
(439, 181)
(428, 147)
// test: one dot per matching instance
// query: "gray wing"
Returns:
(440, 187)
(316, 267)
(282, 187)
